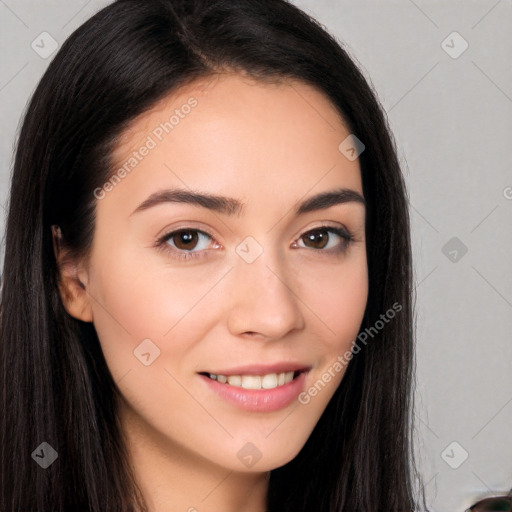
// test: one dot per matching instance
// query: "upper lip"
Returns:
(261, 369)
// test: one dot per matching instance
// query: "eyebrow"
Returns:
(232, 206)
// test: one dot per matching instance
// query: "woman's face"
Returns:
(251, 290)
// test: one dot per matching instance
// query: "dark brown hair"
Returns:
(55, 384)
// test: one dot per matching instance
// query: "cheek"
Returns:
(337, 295)
(132, 304)
(147, 326)
(339, 300)
(135, 300)
(347, 307)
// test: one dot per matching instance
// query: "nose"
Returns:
(263, 303)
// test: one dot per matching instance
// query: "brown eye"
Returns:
(184, 240)
(186, 243)
(320, 238)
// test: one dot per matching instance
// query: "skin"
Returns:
(269, 146)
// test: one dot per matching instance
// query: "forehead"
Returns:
(243, 103)
(231, 132)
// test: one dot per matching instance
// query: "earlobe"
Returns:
(75, 299)
(72, 290)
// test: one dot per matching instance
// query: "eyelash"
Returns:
(181, 255)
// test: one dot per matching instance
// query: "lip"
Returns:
(258, 400)
(260, 369)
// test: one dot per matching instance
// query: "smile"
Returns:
(267, 392)
(268, 381)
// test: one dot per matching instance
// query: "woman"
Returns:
(207, 297)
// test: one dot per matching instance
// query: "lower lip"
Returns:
(258, 400)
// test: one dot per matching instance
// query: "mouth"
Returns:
(256, 381)
(258, 388)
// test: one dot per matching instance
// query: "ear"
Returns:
(71, 279)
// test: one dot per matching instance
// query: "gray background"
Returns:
(452, 120)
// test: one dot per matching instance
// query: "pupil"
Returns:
(319, 235)
(186, 237)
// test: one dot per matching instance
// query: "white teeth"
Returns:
(251, 382)
(268, 381)
(235, 380)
